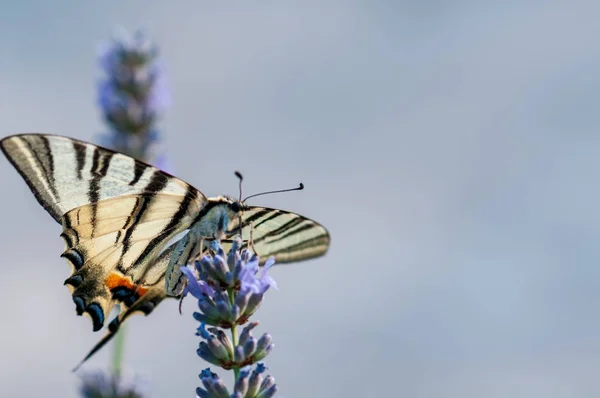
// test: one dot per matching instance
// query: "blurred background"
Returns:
(451, 148)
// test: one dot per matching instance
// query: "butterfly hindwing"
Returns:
(112, 246)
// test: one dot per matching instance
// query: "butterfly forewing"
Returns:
(287, 236)
(64, 173)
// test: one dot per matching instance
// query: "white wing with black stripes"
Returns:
(64, 173)
(287, 236)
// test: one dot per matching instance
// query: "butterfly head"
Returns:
(238, 207)
(234, 207)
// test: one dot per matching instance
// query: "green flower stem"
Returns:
(118, 352)
(234, 339)
(234, 334)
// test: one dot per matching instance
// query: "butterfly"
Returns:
(128, 226)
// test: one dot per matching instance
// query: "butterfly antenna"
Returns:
(300, 187)
(241, 178)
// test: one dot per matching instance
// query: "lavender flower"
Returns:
(229, 290)
(132, 95)
(249, 384)
(99, 385)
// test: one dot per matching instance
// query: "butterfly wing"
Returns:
(117, 215)
(112, 247)
(64, 173)
(287, 236)
(153, 293)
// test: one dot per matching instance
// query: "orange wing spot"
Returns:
(116, 280)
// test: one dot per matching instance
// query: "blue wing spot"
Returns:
(96, 314)
(125, 295)
(74, 257)
(79, 304)
(74, 280)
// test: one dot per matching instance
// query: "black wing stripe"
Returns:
(256, 216)
(133, 220)
(319, 240)
(285, 227)
(273, 216)
(245, 222)
(7, 150)
(49, 163)
(191, 195)
(157, 182)
(303, 228)
(79, 158)
(100, 164)
(46, 165)
(138, 171)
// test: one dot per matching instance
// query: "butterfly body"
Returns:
(128, 226)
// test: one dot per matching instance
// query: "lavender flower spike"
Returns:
(229, 291)
(132, 95)
(100, 385)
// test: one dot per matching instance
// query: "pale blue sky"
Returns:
(451, 148)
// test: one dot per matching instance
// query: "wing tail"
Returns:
(144, 305)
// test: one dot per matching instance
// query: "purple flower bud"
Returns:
(241, 301)
(207, 308)
(254, 384)
(247, 332)
(264, 341)
(218, 349)
(225, 341)
(224, 309)
(238, 354)
(220, 268)
(249, 347)
(205, 353)
(202, 318)
(233, 257)
(198, 288)
(213, 384)
(209, 315)
(267, 383)
(268, 393)
(253, 304)
(202, 393)
(203, 332)
(260, 355)
(241, 384)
